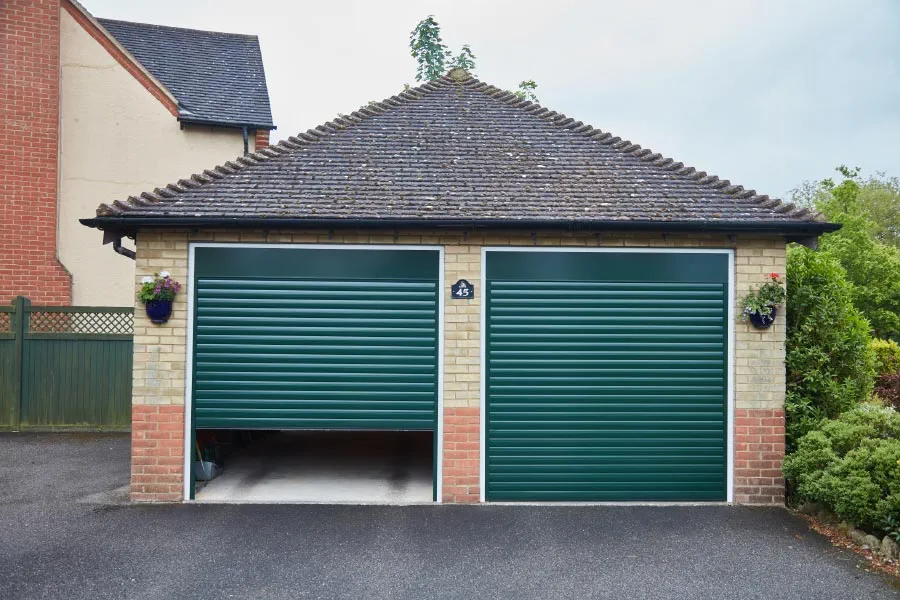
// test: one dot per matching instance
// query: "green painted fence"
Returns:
(65, 367)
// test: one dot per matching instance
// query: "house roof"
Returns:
(217, 78)
(457, 152)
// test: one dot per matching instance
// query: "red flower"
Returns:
(774, 276)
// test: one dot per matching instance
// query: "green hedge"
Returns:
(852, 465)
(830, 365)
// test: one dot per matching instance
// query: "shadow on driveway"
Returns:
(57, 545)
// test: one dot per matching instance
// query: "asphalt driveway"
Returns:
(60, 537)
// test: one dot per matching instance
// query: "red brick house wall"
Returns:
(29, 144)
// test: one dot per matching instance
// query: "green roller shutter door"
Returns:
(294, 338)
(606, 376)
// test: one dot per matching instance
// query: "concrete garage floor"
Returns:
(327, 466)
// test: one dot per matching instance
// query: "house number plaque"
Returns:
(462, 290)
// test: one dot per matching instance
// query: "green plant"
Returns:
(830, 365)
(868, 243)
(891, 527)
(526, 90)
(159, 287)
(852, 465)
(465, 59)
(765, 297)
(434, 59)
(887, 357)
(427, 47)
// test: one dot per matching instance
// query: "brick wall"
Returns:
(160, 352)
(261, 139)
(157, 452)
(29, 142)
(758, 454)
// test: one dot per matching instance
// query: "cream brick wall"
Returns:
(160, 351)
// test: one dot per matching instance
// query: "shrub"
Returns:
(852, 465)
(887, 388)
(887, 357)
(830, 366)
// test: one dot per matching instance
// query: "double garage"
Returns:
(604, 372)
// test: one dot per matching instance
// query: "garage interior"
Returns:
(393, 467)
(315, 374)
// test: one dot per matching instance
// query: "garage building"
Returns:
(530, 309)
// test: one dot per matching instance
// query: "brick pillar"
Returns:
(462, 459)
(758, 454)
(29, 144)
(157, 393)
(462, 374)
(261, 139)
(759, 384)
(157, 452)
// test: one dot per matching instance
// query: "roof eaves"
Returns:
(131, 224)
(187, 118)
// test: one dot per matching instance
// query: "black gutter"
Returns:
(234, 124)
(131, 224)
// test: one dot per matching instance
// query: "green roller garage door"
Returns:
(606, 376)
(308, 338)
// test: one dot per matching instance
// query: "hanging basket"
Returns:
(159, 311)
(761, 321)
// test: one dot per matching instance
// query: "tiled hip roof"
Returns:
(457, 150)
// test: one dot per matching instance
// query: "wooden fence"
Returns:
(65, 367)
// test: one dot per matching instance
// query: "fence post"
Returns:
(20, 304)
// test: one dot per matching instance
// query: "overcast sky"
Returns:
(766, 93)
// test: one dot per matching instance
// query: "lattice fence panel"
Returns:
(5, 322)
(97, 323)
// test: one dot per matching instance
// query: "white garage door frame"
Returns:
(189, 350)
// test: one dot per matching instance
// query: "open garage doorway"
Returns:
(389, 467)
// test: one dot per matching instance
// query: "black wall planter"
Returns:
(761, 321)
(159, 311)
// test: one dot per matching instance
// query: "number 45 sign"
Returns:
(462, 290)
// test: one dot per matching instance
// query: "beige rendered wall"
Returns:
(116, 140)
(160, 353)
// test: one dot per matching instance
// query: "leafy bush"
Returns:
(887, 388)
(867, 243)
(852, 465)
(874, 270)
(830, 366)
(887, 357)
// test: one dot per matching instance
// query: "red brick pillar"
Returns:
(29, 144)
(462, 455)
(157, 453)
(758, 454)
